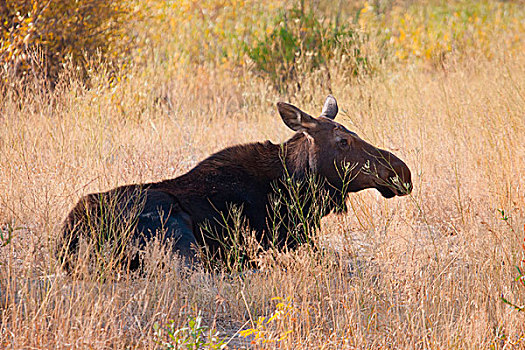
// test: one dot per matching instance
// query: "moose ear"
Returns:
(330, 108)
(296, 119)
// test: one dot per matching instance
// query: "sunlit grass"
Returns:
(423, 271)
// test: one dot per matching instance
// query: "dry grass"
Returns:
(425, 271)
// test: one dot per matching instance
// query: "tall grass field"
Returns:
(441, 84)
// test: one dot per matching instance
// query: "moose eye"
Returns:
(343, 143)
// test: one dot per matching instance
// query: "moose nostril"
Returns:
(402, 184)
(404, 177)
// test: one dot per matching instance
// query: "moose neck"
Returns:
(302, 164)
(298, 155)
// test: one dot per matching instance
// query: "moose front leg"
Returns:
(163, 218)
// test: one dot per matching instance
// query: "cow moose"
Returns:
(248, 177)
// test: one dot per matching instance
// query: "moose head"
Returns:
(336, 153)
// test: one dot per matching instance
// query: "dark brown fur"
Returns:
(246, 176)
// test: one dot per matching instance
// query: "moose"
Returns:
(248, 177)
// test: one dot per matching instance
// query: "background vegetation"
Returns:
(96, 94)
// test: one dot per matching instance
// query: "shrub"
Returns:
(205, 32)
(277, 327)
(430, 31)
(194, 336)
(520, 267)
(301, 43)
(37, 37)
